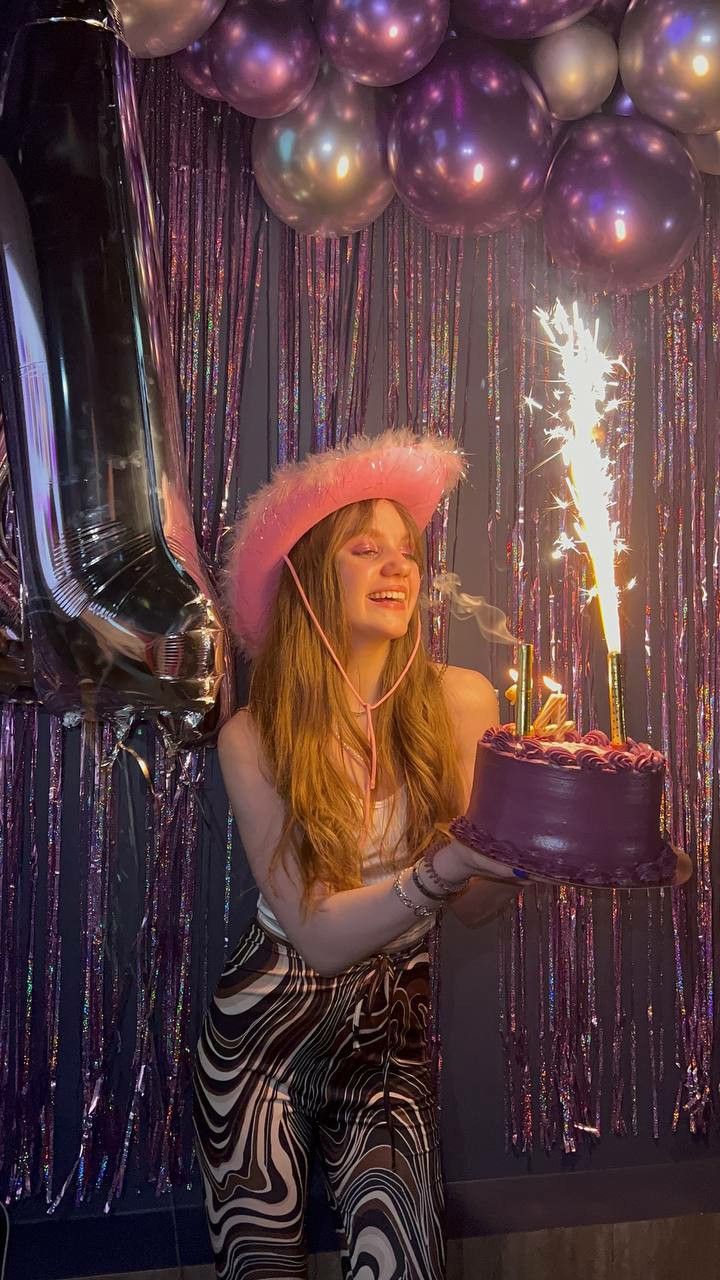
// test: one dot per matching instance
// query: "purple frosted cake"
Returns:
(580, 811)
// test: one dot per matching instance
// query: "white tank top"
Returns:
(388, 824)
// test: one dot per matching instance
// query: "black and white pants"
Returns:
(290, 1061)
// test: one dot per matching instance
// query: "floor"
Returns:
(664, 1249)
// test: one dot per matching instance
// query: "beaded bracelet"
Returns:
(436, 897)
(428, 863)
(423, 913)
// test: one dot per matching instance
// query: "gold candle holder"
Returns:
(616, 689)
(523, 700)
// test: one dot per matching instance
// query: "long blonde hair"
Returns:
(298, 702)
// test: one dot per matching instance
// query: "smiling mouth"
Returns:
(396, 601)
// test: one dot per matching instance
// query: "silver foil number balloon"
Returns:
(14, 651)
(119, 608)
(322, 168)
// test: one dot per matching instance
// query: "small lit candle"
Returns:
(553, 711)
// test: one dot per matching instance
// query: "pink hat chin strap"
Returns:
(369, 707)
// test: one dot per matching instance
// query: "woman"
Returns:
(354, 753)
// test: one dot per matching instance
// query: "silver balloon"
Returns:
(154, 28)
(670, 62)
(120, 611)
(14, 645)
(705, 150)
(576, 68)
(322, 168)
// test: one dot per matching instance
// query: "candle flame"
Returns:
(586, 376)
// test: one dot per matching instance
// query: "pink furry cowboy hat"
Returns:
(414, 470)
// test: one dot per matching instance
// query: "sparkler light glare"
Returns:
(586, 377)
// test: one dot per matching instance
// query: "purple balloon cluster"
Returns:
(466, 137)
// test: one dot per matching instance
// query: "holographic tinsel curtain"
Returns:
(285, 343)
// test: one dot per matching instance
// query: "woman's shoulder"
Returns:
(238, 737)
(237, 728)
(464, 681)
(240, 750)
(469, 694)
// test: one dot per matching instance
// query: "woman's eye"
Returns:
(372, 551)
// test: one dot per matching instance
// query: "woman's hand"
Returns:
(456, 861)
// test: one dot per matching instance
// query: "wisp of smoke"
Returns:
(491, 622)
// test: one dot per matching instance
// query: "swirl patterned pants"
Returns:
(289, 1062)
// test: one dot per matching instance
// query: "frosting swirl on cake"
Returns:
(590, 751)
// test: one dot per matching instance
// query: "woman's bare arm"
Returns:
(473, 706)
(340, 928)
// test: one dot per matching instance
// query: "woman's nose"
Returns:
(396, 564)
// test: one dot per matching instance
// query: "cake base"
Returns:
(658, 873)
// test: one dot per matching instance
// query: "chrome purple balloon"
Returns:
(381, 42)
(323, 168)
(264, 55)
(470, 140)
(193, 65)
(517, 19)
(623, 202)
(670, 62)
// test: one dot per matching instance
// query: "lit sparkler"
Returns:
(587, 376)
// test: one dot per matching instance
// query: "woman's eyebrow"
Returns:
(377, 533)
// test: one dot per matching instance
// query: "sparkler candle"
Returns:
(587, 376)
(585, 811)
(523, 698)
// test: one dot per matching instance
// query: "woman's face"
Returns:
(379, 577)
